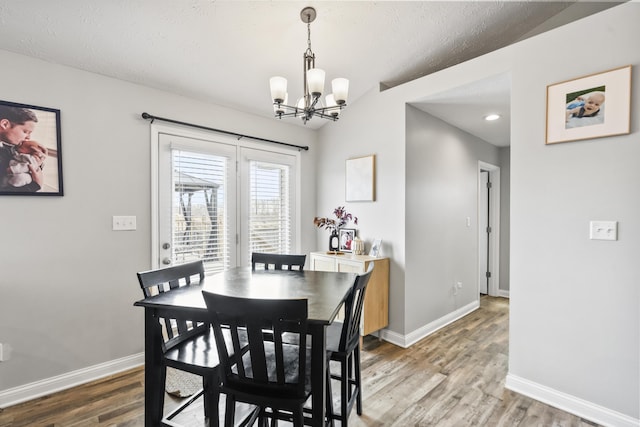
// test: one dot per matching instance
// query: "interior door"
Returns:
(197, 198)
(484, 232)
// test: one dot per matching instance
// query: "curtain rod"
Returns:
(148, 116)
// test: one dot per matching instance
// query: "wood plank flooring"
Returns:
(454, 377)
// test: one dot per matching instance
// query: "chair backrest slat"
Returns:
(353, 310)
(278, 261)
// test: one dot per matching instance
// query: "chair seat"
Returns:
(200, 352)
(195, 354)
(334, 332)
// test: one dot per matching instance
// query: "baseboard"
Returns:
(574, 405)
(47, 386)
(405, 341)
(503, 293)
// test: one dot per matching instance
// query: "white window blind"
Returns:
(270, 207)
(199, 213)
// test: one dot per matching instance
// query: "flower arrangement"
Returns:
(342, 218)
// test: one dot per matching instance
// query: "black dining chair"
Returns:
(271, 374)
(277, 261)
(187, 345)
(343, 341)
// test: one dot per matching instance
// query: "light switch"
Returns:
(124, 223)
(603, 230)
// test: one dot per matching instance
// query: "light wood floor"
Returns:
(454, 377)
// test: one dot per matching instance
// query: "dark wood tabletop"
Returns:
(325, 291)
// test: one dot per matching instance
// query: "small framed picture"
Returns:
(375, 247)
(346, 236)
(30, 150)
(588, 107)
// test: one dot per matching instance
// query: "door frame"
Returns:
(494, 223)
(158, 128)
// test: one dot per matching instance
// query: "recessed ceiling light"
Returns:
(491, 117)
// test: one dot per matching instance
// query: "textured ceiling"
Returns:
(225, 51)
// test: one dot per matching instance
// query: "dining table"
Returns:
(325, 293)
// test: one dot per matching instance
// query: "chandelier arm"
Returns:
(325, 116)
(287, 107)
(314, 102)
(332, 108)
(326, 113)
(306, 115)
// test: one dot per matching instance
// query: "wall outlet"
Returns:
(456, 287)
(4, 352)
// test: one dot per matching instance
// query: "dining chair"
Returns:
(278, 261)
(271, 374)
(187, 345)
(343, 343)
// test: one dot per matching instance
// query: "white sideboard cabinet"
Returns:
(375, 314)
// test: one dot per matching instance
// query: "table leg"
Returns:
(318, 370)
(154, 371)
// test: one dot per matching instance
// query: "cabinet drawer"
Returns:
(322, 264)
(348, 267)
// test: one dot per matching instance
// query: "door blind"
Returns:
(269, 207)
(199, 211)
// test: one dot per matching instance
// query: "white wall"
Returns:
(505, 218)
(575, 302)
(575, 327)
(68, 281)
(442, 191)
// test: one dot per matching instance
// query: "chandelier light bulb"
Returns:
(278, 107)
(332, 106)
(340, 87)
(278, 89)
(315, 79)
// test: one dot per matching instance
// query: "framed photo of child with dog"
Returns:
(30, 150)
(593, 106)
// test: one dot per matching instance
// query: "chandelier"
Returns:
(310, 104)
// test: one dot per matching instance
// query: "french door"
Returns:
(218, 201)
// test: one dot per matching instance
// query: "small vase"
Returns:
(334, 241)
(358, 246)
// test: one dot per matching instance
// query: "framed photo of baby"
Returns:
(30, 150)
(593, 106)
(346, 239)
